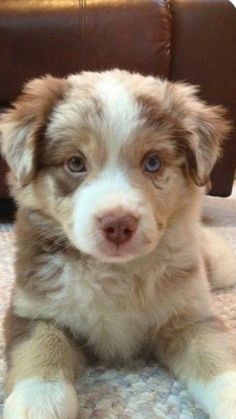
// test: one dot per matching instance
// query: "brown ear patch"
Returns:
(191, 164)
(16, 329)
(22, 125)
(212, 127)
(38, 98)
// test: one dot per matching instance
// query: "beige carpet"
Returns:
(139, 391)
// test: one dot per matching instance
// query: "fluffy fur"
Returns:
(78, 293)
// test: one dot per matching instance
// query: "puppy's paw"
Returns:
(218, 396)
(225, 406)
(225, 410)
(37, 399)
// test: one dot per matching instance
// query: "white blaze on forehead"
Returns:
(120, 110)
(111, 189)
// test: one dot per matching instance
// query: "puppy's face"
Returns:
(111, 156)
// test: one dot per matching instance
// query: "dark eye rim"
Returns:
(76, 172)
(149, 155)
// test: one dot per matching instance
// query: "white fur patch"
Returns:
(122, 113)
(218, 397)
(34, 398)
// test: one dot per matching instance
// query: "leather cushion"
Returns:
(61, 37)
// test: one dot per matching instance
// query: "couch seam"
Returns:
(169, 5)
(82, 5)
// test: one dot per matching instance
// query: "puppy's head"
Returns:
(110, 156)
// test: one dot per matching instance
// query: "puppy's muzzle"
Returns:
(118, 229)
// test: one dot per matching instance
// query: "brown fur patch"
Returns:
(37, 268)
(196, 348)
(65, 182)
(47, 353)
(155, 116)
(35, 348)
(16, 329)
(38, 99)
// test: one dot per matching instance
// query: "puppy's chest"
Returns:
(111, 311)
(108, 310)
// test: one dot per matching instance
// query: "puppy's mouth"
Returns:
(111, 252)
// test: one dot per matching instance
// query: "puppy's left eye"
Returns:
(76, 164)
(152, 163)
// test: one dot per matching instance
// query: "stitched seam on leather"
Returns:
(82, 28)
(78, 34)
(169, 8)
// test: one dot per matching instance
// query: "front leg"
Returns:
(42, 367)
(202, 353)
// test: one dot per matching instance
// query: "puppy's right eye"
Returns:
(76, 164)
(152, 163)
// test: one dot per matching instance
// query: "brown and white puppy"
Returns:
(107, 170)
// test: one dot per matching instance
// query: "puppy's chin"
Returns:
(110, 253)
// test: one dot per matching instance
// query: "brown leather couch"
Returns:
(190, 40)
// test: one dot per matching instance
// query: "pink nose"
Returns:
(118, 229)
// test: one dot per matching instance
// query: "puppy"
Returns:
(108, 172)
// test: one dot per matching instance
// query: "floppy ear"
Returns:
(204, 142)
(206, 128)
(20, 125)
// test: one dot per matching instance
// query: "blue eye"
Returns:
(152, 163)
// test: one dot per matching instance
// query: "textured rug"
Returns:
(138, 391)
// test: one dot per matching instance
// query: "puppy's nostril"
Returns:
(110, 230)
